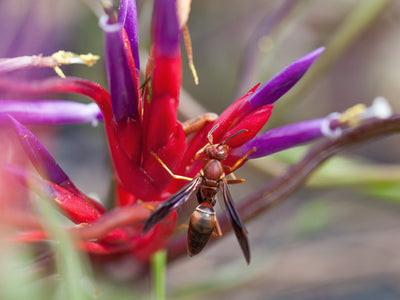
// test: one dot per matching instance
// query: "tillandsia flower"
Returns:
(139, 128)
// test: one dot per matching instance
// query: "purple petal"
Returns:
(284, 80)
(165, 28)
(281, 138)
(49, 112)
(127, 16)
(123, 86)
(44, 163)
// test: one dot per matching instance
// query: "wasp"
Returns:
(211, 179)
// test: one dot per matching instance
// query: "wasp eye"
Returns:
(207, 151)
(222, 152)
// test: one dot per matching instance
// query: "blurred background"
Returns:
(337, 238)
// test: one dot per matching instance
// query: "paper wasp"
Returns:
(207, 183)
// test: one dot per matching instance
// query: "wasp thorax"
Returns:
(219, 152)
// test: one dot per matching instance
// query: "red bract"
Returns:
(236, 117)
(138, 130)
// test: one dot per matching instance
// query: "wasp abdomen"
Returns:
(201, 226)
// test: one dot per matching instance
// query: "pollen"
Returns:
(352, 115)
(67, 58)
(359, 113)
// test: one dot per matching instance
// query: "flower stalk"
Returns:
(159, 263)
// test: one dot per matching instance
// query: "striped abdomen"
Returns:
(201, 226)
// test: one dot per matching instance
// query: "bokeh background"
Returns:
(338, 237)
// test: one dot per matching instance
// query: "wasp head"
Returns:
(219, 151)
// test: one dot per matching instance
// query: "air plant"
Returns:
(142, 129)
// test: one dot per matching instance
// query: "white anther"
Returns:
(380, 109)
(326, 129)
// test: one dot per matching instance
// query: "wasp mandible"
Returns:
(207, 183)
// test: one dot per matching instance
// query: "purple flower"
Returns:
(282, 138)
(277, 86)
(50, 112)
(121, 74)
(127, 16)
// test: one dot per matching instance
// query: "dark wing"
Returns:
(177, 199)
(237, 224)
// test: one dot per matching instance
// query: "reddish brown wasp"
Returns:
(210, 179)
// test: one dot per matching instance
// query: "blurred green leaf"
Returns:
(16, 280)
(388, 192)
(70, 264)
(312, 217)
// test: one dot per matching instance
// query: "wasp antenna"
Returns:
(209, 135)
(233, 135)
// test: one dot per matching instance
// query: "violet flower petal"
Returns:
(49, 112)
(282, 82)
(165, 28)
(281, 138)
(44, 163)
(127, 16)
(123, 86)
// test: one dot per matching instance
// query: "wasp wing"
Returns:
(237, 224)
(177, 199)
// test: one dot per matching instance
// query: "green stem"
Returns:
(159, 264)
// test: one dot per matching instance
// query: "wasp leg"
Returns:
(235, 179)
(240, 160)
(168, 170)
(218, 230)
(180, 227)
(145, 205)
(197, 156)
(194, 125)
